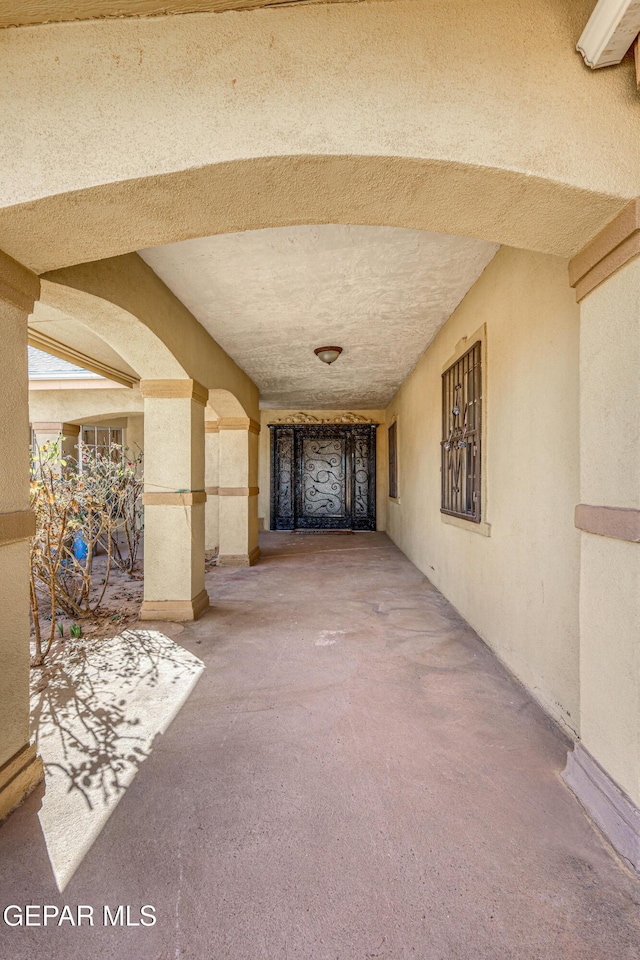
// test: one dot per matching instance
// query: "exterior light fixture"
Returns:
(328, 354)
(610, 31)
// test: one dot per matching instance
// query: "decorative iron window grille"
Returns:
(461, 436)
(393, 460)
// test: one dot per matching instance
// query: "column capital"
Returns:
(175, 390)
(18, 285)
(54, 426)
(613, 247)
(238, 423)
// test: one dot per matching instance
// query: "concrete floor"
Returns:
(353, 776)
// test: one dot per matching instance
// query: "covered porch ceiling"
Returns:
(270, 297)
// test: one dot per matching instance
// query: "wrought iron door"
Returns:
(323, 477)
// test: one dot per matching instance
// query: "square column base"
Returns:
(175, 610)
(18, 777)
(239, 559)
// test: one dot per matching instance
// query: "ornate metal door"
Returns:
(323, 477)
(322, 481)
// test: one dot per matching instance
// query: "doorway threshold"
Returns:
(315, 533)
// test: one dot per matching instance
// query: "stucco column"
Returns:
(20, 768)
(604, 769)
(211, 485)
(52, 432)
(238, 491)
(174, 500)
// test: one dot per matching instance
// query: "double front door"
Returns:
(323, 476)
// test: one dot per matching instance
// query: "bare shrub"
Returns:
(75, 510)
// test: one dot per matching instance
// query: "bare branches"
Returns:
(78, 506)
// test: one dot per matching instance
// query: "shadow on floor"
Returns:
(95, 718)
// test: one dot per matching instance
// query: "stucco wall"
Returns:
(444, 116)
(519, 586)
(264, 460)
(84, 406)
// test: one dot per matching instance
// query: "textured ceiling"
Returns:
(269, 297)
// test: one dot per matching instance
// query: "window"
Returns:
(102, 439)
(461, 436)
(393, 459)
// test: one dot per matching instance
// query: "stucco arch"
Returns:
(135, 342)
(472, 119)
(125, 302)
(222, 404)
(487, 203)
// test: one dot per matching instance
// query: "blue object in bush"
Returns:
(80, 549)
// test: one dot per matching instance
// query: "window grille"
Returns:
(393, 459)
(461, 436)
(102, 440)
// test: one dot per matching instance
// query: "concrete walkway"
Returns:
(353, 777)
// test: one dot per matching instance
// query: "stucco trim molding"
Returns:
(308, 418)
(184, 499)
(48, 426)
(239, 559)
(211, 491)
(483, 528)
(18, 777)
(18, 285)
(211, 426)
(175, 609)
(238, 491)
(17, 526)
(619, 523)
(239, 423)
(613, 812)
(175, 390)
(613, 247)
(63, 352)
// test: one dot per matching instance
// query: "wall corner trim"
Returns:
(613, 812)
(18, 285)
(610, 250)
(619, 523)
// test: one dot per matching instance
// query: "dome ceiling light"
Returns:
(328, 354)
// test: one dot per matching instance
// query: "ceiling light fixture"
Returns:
(328, 354)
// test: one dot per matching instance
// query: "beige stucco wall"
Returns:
(408, 113)
(264, 459)
(519, 586)
(610, 575)
(83, 406)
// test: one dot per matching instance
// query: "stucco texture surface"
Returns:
(610, 574)
(163, 129)
(354, 778)
(270, 297)
(519, 586)
(23, 12)
(124, 302)
(83, 406)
